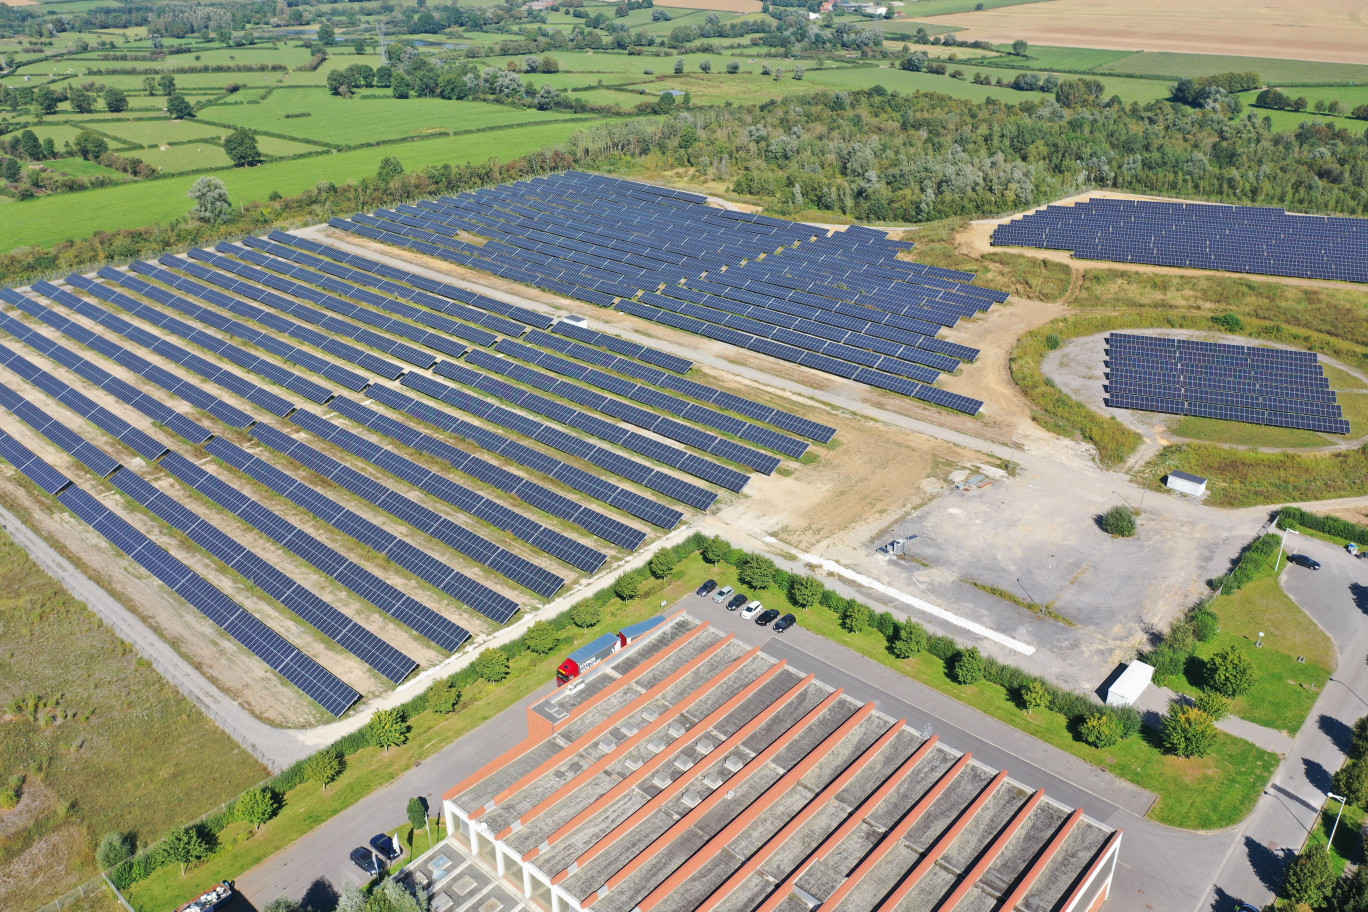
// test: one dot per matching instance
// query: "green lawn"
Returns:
(187, 157)
(158, 132)
(1237, 433)
(50, 219)
(1209, 793)
(1348, 846)
(369, 118)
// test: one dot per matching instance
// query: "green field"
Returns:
(186, 157)
(1237, 433)
(1050, 58)
(370, 118)
(1274, 71)
(79, 167)
(87, 754)
(48, 220)
(1284, 689)
(158, 132)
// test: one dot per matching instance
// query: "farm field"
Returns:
(48, 220)
(185, 157)
(943, 7)
(369, 118)
(84, 753)
(1320, 30)
(79, 167)
(1273, 70)
(157, 132)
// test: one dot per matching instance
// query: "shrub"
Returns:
(1310, 878)
(1033, 695)
(183, 846)
(886, 624)
(942, 647)
(9, 798)
(1351, 781)
(585, 614)
(1205, 625)
(663, 563)
(324, 766)
(1128, 717)
(114, 849)
(388, 727)
(492, 665)
(1052, 341)
(443, 696)
(911, 639)
(1230, 672)
(1257, 555)
(627, 587)
(1168, 663)
(756, 571)
(968, 667)
(855, 616)
(1214, 704)
(1229, 322)
(804, 591)
(541, 638)
(1358, 745)
(1119, 521)
(1101, 729)
(1188, 732)
(256, 806)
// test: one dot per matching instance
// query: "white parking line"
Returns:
(972, 626)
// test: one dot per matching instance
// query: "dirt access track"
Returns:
(1335, 31)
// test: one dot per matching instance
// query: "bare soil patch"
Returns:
(1329, 30)
(42, 869)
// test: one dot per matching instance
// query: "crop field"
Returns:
(1319, 30)
(49, 219)
(1273, 70)
(369, 118)
(943, 7)
(1055, 58)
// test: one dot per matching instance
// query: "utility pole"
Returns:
(1341, 799)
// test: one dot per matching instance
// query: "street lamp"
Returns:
(1282, 546)
(1028, 595)
(1341, 799)
(1128, 503)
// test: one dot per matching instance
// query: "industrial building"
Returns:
(691, 773)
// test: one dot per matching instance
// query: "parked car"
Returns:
(766, 616)
(751, 610)
(736, 602)
(1301, 560)
(365, 859)
(721, 595)
(385, 846)
(706, 588)
(784, 623)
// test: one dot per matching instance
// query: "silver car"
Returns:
(726, 592)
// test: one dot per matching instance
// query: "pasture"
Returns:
(157, 132)
(48, 220)
(369, 117)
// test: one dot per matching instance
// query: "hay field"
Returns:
(1330, 30)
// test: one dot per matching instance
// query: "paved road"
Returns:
(316, 866)
(1161, 868)
(1336, 596)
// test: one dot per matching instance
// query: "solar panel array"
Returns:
(1273, 387)
(1251, 239)
(254, 634)
(840, 302)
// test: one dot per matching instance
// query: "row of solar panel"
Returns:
(808, 359)
(405, 509)
(172, 383)
(1220, 348)
(548, 540)
(565, 442)
(453, 582)
(781, 443)
(1229, 413)
(789, 422)
(1269, 403)
(1240, 239)
(608, 431)
(231, 380)
(1222, 383)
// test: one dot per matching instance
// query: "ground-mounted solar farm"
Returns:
(1262, 386)
(365, 465)
(838, 302)
(1248, 239)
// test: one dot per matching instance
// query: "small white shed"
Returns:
(1127, 688)
(1187, 484)
(575, 320)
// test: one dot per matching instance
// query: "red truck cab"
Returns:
(592, 653)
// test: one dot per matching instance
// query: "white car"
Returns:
(751, 609)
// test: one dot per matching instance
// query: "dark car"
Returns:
(365, 859)
(707, 587)
(768, 615)
(1301, 560)
(385, 846)
(1246, 907)
(737, 601)
(784, 623)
